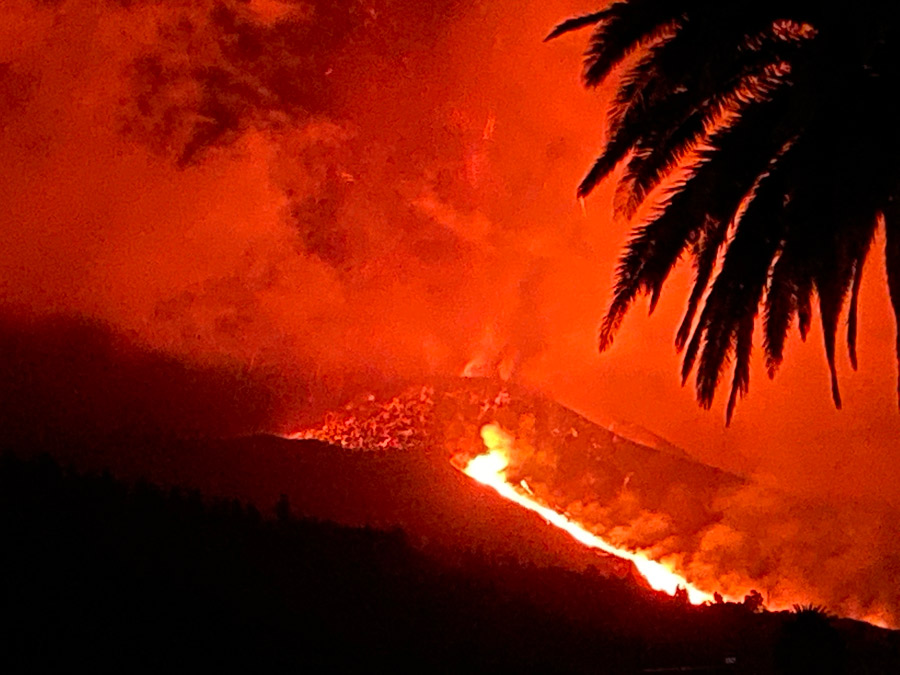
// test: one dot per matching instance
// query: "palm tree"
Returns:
(808, 642)
(771, 130)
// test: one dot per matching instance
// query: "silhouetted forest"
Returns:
(98, 573)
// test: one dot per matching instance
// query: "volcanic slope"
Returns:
(635, 494)
(398, 467)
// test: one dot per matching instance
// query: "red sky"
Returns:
(388, 190)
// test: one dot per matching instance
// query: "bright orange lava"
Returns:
(489, 469)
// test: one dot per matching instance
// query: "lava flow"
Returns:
(489, 469)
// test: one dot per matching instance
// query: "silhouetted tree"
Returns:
(808, 643)
(753, 601)
(786, 112)
(283, 509)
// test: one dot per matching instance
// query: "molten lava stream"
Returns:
(489, 469)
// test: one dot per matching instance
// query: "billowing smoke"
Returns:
(793, 550)
(284, 183)
(720, 531)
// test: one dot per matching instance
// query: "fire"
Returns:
(489, 469)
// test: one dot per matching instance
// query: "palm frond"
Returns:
(852, 319)
(703, 59)
(628, 26)
(804, 306)
(831, 288)
(892, 259)
(671, 147)
(767, 128)
(713, 194)
(839, 274)
(739, 286)
(705, 255)
(781, 307)
(615, 152)
(740, 383)
(577, 23)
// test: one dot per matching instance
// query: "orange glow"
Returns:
(489, 469)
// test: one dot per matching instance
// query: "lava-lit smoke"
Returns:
(320, 198)
(734, 540)
(305, 185)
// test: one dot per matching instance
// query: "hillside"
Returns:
(138, 578)
(571, 463)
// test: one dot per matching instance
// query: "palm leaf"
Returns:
(782, 116)
(628, 26)
(892, 258)
(714, 193)
(738, 288)
(576, 23)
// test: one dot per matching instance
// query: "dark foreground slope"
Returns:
(100, 574)
(439, 508)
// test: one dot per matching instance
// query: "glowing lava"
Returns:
(489, 469)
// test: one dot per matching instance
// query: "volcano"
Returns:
(717, 531)
(632, 495)
(396, 461)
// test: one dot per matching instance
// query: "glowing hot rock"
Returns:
(489, 469)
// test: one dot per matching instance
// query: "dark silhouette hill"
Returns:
(440, 509)
(103, 574)
(70, 377)
(96, 399)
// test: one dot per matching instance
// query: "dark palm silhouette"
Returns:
(809, 642)
(786, 114)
